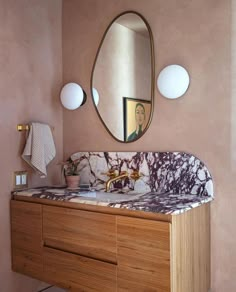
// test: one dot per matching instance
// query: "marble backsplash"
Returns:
(162, 172)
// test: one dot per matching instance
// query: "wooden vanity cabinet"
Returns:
(83, 250)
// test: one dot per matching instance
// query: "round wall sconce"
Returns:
(95, 96)
(173, 81)
(72, 96)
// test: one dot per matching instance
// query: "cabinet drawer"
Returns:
(79, 273)
(26, 238)
(85, 233)
(143, 255)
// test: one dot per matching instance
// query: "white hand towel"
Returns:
(40, 148)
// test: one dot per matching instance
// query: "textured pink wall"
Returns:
(197, 35)
(30, 81)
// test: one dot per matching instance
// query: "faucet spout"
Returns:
(122, 175)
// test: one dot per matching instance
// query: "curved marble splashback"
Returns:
(163, 172)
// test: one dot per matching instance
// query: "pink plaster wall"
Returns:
(197, 35)
(30, 81)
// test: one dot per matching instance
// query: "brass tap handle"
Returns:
(135, 175)
(111, 173)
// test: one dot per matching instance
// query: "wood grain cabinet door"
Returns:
(143, 255)
(26, 238)
(78, 273)
(85, 233)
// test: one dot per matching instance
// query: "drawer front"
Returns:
(85, 233)
(26, 238)
(79, 273)
(143, 255)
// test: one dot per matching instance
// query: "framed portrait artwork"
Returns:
(136, 116)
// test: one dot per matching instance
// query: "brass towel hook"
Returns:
(22, 127)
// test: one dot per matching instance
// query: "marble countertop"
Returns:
(164, 203)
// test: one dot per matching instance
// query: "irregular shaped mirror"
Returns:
(123, 77)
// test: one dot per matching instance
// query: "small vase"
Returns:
(72, 181)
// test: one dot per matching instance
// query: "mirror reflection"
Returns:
(123, 78)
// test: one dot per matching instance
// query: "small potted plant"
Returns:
(71, 173)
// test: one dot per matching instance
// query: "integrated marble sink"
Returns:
(105, 196)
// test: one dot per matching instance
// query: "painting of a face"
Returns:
(140, 115)
(135, 112)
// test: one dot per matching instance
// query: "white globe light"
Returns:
(95, 96)
(173, 81)
(72, 96)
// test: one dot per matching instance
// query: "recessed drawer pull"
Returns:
(81, 255)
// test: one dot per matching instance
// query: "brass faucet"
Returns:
(122, 175)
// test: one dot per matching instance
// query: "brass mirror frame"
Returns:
(152, 73)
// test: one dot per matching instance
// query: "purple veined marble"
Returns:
(164, 203)
(171, 182)
(162, 172)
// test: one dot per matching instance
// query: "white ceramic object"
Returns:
(173, 81)
(95, 96)
(72, 96)
(107, 197)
